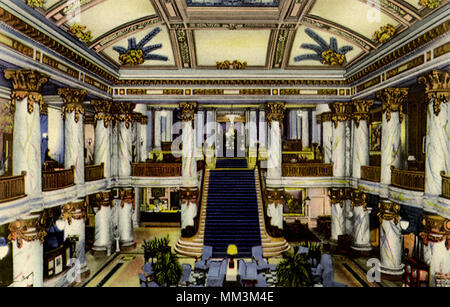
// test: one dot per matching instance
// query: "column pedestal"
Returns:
(127, 206)
(361, 226)
(337, 213)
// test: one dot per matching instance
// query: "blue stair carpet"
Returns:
(232, 212)
(231, 163)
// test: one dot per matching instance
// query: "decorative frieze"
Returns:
(27, 230)
(26, 84)
(361, 110)
(73, 101)
(437, 88)
(188, 110)
(275, 111)
(392, 100)
(75, 210)
(388, 211)
(435, 229)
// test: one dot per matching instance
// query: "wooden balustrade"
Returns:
(94, 172)
(409, 180)
(307, 170)
(58, 179)
(371, 173)
(12, 187)
(445, 185)
(155, 169)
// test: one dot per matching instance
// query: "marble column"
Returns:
(275, 204)
(102, 140)
(305, 128)
(262, 137)
(392, 102)
(274, 116)
(74, 214)
(199, 133)
(26, 99)
(252, 139)
(141, 132)
(73, 113)
(361, 218)
(315, 132)
(210, 138)
(56, 134)
(324, 118)
(125, 139)
(157, 135)
(337, 199)
(189, 163)
(126, 209)
(361, 136)
(114, 142)
(102, 205)
(189, 210)
(293, 124)
(339, 116)
(436, 238)
(437, 88)
(391, 239)
(27, 236)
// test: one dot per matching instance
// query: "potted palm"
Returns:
(167, 269)
(294, 270)
(155, 246)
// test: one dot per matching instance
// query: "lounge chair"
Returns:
(203, 264)
(261, 262)
(148, 268)
(216, 273)
(186, 273)
(248, 274)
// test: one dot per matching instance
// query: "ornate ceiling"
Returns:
(234, 34)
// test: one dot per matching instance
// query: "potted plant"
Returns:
(294, 270)
(155, 246)
(167, 269)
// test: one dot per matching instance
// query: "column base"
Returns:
(127, 246)
(392, 273)
(102, 251)
(361, 247)
(85, 272)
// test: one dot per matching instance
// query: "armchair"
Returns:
(248, 274)
(216, 273)
(203, 264)
(186, 273)
(258, 259)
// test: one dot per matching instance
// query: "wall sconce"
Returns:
(4, 248)
(45, 135)
(404, 224)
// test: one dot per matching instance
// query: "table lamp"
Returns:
(232, 251)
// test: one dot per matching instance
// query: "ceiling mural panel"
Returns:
(153, 41)
(214, 46)
(312, 48)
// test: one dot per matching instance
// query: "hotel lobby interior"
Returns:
(224, 143)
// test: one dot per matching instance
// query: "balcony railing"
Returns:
(58, 179)
(307, 170)
(156, 169)
(445, 185)
(12, 187)
(371, 173)
(409, 180)
(94, 172)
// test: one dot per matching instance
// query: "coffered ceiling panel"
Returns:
(214, 46)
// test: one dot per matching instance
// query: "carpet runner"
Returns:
(232, 210)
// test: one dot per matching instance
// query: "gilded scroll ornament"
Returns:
(388, 211)
(275, 196)
(275, 111)
(392, 100)
(73, 102)
(340, 111)
(75, 211)
(188, 110)
(361, 110)
(27, 230)
(127, 197)
(437, 88)
(337, 196)
(435, 229)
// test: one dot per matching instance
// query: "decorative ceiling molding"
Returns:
(123, 31)
(391, 10)
(61, 12)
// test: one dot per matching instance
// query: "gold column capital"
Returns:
(388, 211)
(75, 210)
(188, 110)
(27, 230)
(392, 100)
(361, 110)
(275, 111)
(102, 199)
(73, 101)
(358, 198)
(435, 229)
(189, 194)
(324, 117)
(337, 196)
(275, 196)
(26, 84)
(123, 112)
(102, 111)
(437, 88)
(340, 112)
(127, 196)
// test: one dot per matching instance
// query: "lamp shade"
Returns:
(4, 248)
(232, 250)
(404, 224)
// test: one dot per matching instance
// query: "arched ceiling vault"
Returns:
(235, 34)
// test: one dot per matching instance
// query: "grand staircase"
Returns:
(231, 213)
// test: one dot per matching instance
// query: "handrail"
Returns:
(307, 169)
(12, 187)
(445, 185)
(409, 180)
(94, 172)
(156, 169)
(371, 173)
(58, 179)
(200, 204)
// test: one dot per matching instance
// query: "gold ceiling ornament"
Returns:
(27, 230)
(102, 111)
(73, 102)
(337, 196)
(358, 198)
(127, 196)
(392, 100)
(35, 3)
(189, 194)
(227, 64)
(384, 34)
(188, 110)
(431, 4)
(26, 84)
(388, 211)
(435, 229)
(275, 196)
(124, 112)
(275, 111)
(437, 88)
(361, 110)
(340, 111)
